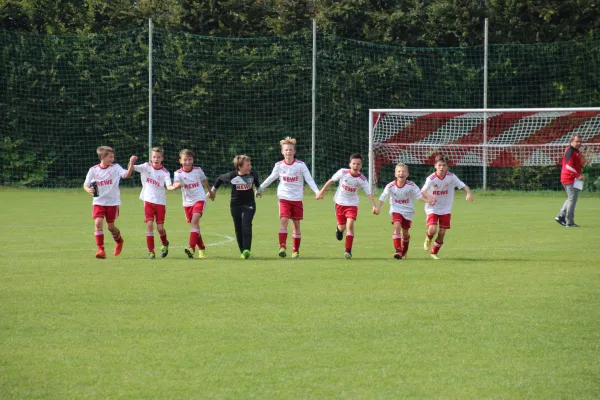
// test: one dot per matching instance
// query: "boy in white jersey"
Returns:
(102, 182)
(402, 194)
(346, 199)
(155, 178)
(440, 185)
(191, 181)
(291, 173)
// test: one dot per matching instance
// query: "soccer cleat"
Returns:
(427, 244)
(348, 255)
(295, 254)
(561, 220)
(151, 255)
(398, 255)
(573, 225)
(434, 256)
(164, 250)
(190, 252)
(101, 254)
(201, 253)
(338, 234)
(282, 252)
(245, 254)
(119, 247)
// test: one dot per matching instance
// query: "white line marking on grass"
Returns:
(227, 239)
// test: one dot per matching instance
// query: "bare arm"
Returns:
(324, 188)
(469, 195)
(174, 186)
(130, 166)
(377, 209)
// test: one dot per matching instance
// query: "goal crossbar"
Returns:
(493, 137)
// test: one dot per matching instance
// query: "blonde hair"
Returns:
(238, 161)
(288, 140)
(158, 150)
(186, 153)
(103, 151)
(402, 165)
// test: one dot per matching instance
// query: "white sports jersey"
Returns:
(192, 190)
(153, 183)
(402, 198)
(291, 180)
(347, 191)
(443, 191)
(108, 183)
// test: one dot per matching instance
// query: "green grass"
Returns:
(511, 311)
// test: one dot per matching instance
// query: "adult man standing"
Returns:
(570, 172)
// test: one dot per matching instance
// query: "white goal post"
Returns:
(487, 138)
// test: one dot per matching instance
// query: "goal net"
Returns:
(485, 145)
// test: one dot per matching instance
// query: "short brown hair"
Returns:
(238, 161)
(441, 157)
(354, 156)
(158, 150)
(186, 153)
(103, 151)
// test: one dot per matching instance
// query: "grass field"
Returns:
(511, 311)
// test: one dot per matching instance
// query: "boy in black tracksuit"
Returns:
(243, 183)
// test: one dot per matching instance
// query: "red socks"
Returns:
(99, 235)
(349, 240)
(283, 234)
(296, 242)
(396, 238)
(150, 241)
(436, 247)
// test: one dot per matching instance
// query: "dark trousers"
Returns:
(242, 221)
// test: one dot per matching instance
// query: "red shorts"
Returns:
(197, 208)
(404, 223)
(443, 220)
(153, 211)
(111, 213)
(291, 209)
(343, 213)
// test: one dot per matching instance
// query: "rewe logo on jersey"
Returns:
(440, 192)
(152, 182)
(191, 185)
(244, 187)
(290, 179)
(105, 182)
(404, 201)
(348, 188)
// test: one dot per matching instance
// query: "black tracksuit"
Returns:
(242, 206)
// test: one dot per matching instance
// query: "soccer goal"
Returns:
(480, 139)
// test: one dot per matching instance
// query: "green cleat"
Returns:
(295, 254)
(282, 252)
(434, 256)
(164, 250)
(201, 253)
(151, 255)
(190, 252)
(427, 244)
(245, 254)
